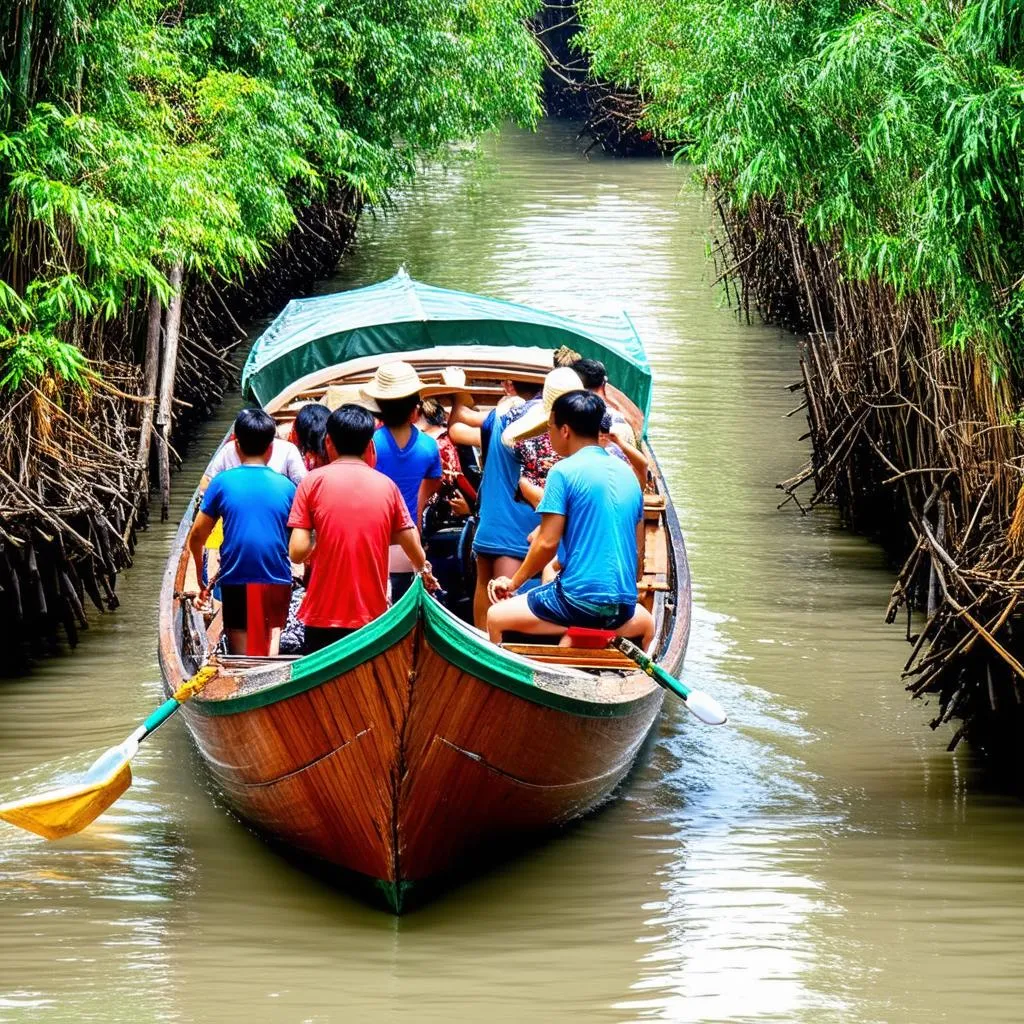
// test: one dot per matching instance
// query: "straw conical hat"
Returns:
(347, 394)
(534, 421)
(393, 380)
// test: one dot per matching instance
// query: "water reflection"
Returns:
(821, 859)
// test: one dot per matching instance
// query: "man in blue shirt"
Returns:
(255, 574)
(405, 454)
(504, 523)
(593, 507)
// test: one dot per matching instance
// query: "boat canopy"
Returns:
(403, 315)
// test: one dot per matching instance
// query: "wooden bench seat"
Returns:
(575, 657)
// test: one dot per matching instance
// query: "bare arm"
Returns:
(637, 460)
(463, 433)
(464, 411)
(428, 488)
(409, 541)
(543, 548)
(530, 491)
(202, 527)
(300, 545)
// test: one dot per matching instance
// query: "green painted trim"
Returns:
(342, 656)
(447, 635)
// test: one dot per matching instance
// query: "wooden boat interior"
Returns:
(486, 370)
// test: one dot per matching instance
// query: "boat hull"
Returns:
(403, 767)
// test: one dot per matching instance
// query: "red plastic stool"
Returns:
(593, 638)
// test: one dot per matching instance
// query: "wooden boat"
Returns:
(410, 747)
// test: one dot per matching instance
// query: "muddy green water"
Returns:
(821, 859)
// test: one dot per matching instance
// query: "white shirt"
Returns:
(284, 458)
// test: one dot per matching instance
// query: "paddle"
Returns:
(701, 704)
(62, 812)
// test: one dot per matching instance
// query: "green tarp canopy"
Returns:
(402, 315)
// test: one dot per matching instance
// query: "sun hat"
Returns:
(338, 395)
(393, 380)
(534, 421)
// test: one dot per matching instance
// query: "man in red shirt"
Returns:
(356, 513)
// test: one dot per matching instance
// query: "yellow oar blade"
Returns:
(65, 811)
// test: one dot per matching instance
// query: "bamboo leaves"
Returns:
(141, 136)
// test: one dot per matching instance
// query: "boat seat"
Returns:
(655, 576)
(575, 657)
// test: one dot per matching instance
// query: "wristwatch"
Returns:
(427, 570)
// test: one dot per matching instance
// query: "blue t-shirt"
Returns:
(602, 504)
(254, 502)
(505, 522)
(419, 460)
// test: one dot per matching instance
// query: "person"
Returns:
(617, 435)
(357, 513)
(308, 433)
(500, 542)
(593, 506)
(529, 439)
(457, 495)
(284, 458)
(254, 502)
(405, 454)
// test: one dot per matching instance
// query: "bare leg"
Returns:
(642, 625)
(481, 602)
(514, 614)
(506, 565)
(238, 641)
(275, 642)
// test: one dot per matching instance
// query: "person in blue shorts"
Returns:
(255, 575)
(593, 507)
(405, 454)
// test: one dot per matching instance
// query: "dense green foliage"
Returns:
(891, 129)
(135, 134)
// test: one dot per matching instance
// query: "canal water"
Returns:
(820, 859)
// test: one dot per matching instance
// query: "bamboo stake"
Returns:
(167, 370)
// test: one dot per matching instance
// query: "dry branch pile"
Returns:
(75, 465)
(916, 444)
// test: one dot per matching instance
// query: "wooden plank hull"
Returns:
(403, 767)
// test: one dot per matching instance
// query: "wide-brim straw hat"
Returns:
(338, 395)
(534, 421)
(393, 380)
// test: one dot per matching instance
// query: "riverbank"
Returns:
(895, 259)
(165, 176)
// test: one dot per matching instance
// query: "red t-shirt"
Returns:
(354, 511)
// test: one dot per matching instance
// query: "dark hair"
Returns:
(395, 412)
(581, 411)
(433, 412)
(591, 372)
(526, 388)
(311, 428)
(350, 428)
(254, 431)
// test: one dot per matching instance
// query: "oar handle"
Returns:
(655, 671)
(159, 716)
(182, 694)
(698, 703)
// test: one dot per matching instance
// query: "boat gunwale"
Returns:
(450, 638)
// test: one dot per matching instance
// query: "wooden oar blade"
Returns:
(63, 812)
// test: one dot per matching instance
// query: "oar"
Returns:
(63, 812)
(701, 704)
